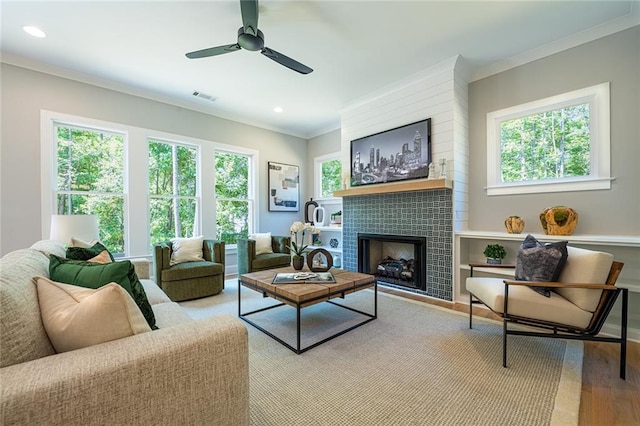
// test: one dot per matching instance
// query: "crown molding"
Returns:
(628, 21)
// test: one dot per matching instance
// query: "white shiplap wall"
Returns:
(460, 174)
(441, 93)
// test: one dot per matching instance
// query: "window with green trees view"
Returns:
(173, 182)
(549, 145)
(145, 186)
(234, 206)
(90, 179)
(560, 143)
(328, 175)
(331, 177)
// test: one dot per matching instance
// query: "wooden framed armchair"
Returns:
(190, 280)
(577, 308)
(249, 261)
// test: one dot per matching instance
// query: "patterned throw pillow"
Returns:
(540, 262)
(95, 275)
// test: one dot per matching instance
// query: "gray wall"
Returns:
(26, 92)
(615, 58)
(327, 143)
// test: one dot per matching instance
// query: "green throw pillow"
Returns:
(82, 253)
(95, 275)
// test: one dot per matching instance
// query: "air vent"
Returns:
(204, 96)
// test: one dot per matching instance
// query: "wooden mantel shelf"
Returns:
(386, 188)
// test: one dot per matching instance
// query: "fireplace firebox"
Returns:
(398, 260)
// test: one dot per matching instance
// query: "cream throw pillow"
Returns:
(186, 250)
(76, 317)
(263, 242)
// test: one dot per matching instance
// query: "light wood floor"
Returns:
(606, 400)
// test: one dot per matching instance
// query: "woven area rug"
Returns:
(417, 364)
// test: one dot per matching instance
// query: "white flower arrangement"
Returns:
(299, 229)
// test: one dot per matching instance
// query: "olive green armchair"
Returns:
(190, 280)
(249, 261)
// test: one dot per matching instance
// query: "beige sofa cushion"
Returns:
(77, 317)
(170, 314)
(154, 294)
(527, 303)
(585, 267)
(22, 335)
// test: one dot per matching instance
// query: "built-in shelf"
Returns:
(330, 228)
(386, 188)
(590, 239)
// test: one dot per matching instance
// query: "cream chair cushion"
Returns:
(527, 303)
(76, 317)
(585, 267)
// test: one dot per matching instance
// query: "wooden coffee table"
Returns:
(306, 294)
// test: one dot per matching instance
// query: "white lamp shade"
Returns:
(80, 226)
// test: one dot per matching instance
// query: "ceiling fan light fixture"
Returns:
(252, 39)
(34, 31)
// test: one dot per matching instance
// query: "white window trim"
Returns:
(600, 174)
(48, 169)
(136, 202)
(317, 173)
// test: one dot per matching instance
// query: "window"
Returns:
(144, 185)
(234, 207)
(328, 172)
(555, 144)
(90, 179)
(173, 189)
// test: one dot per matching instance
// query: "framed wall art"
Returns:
(284, 187)
(393, 155)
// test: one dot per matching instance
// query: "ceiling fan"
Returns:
(251, 38)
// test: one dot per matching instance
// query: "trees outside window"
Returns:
(234, 206)
(90, 179)
(173, 189)
(331, 177)
(554, 144)
(145, 186)
(328, 175)
(550, 145)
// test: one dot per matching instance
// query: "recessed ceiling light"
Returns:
(278, 109)
(34, 31)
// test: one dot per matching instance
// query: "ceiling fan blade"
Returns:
(213, 51)
(249, 10)
(286, 61)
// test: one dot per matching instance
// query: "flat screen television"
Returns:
(394, 155)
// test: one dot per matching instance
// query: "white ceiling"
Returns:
(354, 47)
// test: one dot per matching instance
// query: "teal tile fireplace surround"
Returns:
(415, 213)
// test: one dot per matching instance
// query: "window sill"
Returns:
(588, 184)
